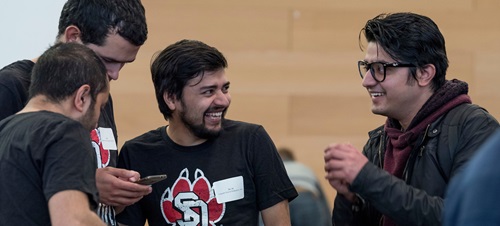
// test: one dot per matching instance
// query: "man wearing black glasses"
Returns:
(431, 130)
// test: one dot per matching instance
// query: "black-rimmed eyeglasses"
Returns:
(378, 69)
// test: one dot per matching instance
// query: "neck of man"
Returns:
(182, 135)
(42, 103)
(410, 114)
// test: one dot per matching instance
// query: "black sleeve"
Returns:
(360, 213)
(272, 182)
(392, 196)
(14, 83)
(131, 215)
(12, 97)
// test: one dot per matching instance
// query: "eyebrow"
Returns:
(213, 86)
(108, 59)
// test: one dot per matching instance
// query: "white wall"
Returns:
(27, 28)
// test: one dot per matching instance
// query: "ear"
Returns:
(82, 98)
(169, 100)
(425, 74)
(72, 34)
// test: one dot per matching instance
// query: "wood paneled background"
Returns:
(292, 64)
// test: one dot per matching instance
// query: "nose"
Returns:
(368, 80)
(222, 99)
(113, 70)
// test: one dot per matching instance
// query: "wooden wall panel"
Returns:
(490, 103)
(271, 111)
(295, 72)
(237, 27)
(487, 79)
(352, 5)
(327, 30)
(461, 66)
(487, 6)
(135, 114)
(332, 115)
(322, 30)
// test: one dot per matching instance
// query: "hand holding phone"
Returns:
(149, 180)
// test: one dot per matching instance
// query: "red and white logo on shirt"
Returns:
(103, 155)
(191, 202)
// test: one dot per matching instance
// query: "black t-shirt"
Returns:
(15, 80)
(224, 181)
(42, 153)
(14, 84)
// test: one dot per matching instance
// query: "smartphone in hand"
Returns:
(149, 180)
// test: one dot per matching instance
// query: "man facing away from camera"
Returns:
(47, 165)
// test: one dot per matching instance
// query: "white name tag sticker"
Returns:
(229, 189)
(107, 138)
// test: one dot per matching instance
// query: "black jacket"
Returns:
(417, 199)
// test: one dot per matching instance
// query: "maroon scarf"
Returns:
(450, 95)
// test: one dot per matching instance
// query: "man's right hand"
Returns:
(343, 162)
(117, 188)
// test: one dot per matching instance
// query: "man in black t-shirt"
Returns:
(47, 165)
(219, 171)
(115, 30)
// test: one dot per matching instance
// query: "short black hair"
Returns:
(410, 38)
(97, 18)
(64, 68)
(180, 62)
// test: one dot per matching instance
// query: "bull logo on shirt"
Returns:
(103, 155)
(191, 203)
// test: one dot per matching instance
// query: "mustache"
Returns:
(217, 109)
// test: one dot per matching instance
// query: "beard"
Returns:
(200, 130)
(87, 120)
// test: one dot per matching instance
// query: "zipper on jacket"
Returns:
(420, 152)
(380, 145)
(422, 148)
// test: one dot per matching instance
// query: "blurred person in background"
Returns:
(310, 207)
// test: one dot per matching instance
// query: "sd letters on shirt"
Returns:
(198, 201)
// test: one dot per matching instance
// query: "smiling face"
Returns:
(115, 53)
(398, 96)
(203, 105)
